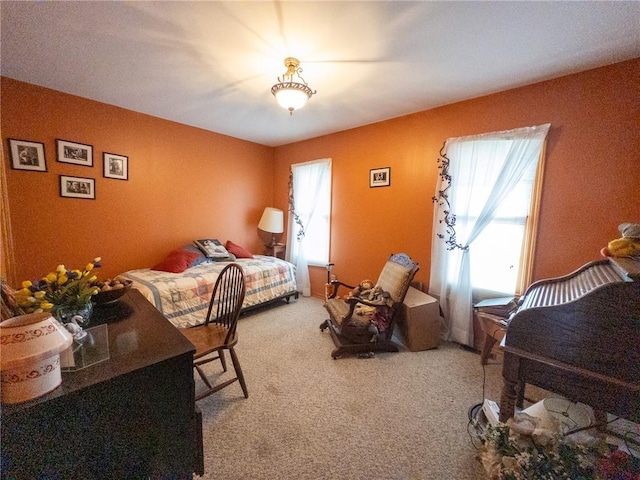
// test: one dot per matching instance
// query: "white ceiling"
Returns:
(212, 64)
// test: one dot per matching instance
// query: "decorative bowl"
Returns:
(107, 297)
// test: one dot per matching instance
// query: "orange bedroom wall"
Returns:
(591, 182)
(184, 183)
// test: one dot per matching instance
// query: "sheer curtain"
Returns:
(310, 190)
(483, 171)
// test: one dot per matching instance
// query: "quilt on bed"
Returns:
(184, 297)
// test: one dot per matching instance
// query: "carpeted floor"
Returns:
(394, 416)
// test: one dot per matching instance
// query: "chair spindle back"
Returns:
(227, 298)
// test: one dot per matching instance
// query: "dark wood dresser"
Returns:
(128, 417)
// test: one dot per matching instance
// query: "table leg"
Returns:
(512, 388)
(489, 342)
(508, 400)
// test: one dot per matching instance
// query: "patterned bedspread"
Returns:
(184, 297)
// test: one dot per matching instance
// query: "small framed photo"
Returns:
(72, 152)
(115, 166)
(27, 155)
(380, 177)
(77, 187)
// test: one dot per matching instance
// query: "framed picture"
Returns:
(27, 155)
(115, 166)
(72, 152)
(77, 187)
(380, 177)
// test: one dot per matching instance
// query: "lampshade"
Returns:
(272, 220)
(291, 91)
(291, 98)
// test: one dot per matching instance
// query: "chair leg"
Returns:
(219, 356)
(238, 369)
(223, 360)
(214, 388)
(203, 376)
(337, 353)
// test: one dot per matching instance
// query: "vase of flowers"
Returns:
(78, 314)
(65, 293)
(522, 450)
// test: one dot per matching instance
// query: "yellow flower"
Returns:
(58, 288)
(23, 301)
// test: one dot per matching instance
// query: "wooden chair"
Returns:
(354, 328)
(218, 333)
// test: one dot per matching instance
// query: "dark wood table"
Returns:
(130, 416)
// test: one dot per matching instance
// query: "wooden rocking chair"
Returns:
(363, 324)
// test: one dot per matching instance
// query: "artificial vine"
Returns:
(442, 199)
(292, 209)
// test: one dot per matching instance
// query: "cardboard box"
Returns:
(420, 321)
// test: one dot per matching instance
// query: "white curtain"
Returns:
(310, 183)
(476, 190)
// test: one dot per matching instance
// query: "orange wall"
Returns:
(184, 183)
(592, 178)
(187, 183)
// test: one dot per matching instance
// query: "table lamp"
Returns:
(272, 221)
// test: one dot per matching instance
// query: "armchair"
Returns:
(364, 324)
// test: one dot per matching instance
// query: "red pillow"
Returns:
(237, 250)
(176, 262)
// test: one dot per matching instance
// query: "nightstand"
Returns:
(278, 250)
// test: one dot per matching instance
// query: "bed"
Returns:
(184, 297)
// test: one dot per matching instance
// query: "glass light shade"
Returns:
(291, 98)
(272, 220)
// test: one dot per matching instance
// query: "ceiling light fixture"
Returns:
(291, 91)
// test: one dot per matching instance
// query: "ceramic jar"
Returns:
(30, 360)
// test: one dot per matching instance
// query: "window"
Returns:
(310, 217)
(485, 204)
(497, 251)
